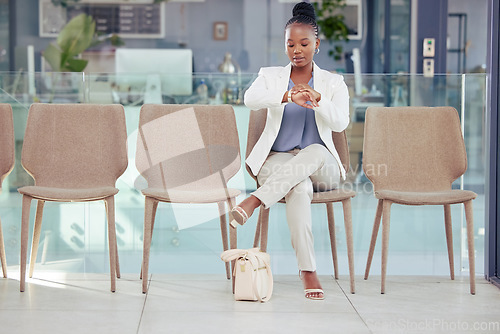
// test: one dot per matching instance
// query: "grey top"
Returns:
(298, 127)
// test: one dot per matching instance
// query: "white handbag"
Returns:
(253, 279)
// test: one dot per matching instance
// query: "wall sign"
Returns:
(128, 20)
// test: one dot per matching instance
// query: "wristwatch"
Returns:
(289, 99)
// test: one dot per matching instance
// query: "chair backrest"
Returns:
(75, 145)
(187, 146)
(7, 144)
(413, 148)
(256, 126)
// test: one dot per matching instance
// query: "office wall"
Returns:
(432, 23)
(255, 33)
(191, 25)
(477, 32)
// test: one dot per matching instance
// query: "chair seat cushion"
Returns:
(334, 195)
(68, 195)
(426, 198)
(191, 196)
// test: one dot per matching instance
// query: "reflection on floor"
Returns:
(82, 303)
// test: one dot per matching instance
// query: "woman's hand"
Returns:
(302, 99)
(303, 93)
(307, 88)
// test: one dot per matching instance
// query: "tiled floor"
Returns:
(82, 303)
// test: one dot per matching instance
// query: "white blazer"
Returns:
(267, 92)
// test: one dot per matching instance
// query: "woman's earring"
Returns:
(316, 51)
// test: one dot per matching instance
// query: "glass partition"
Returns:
(187, 237)
(4, 36)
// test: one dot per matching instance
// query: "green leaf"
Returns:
(331, 22)
(116, 40)
(75, 65)
(77, 35)
(64, 58)
(53, 56)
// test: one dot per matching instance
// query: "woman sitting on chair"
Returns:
(295, 154)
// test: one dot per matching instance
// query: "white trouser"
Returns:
(295, 175)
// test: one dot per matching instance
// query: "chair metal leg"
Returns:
(117, 268)
(36, 235)
(110, 210)
(449, 238)
(386, 217)
(346, 205)
(155, 207)
(149, 215)
(470, 245)
(117, 260)
(223, 230)
(256, 239)
(264, 228)
(232, 231)
(25, 222)
(233, 236)
(333, 242)
(376, 227)
(2, 253)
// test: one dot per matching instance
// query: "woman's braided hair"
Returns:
(303, 12)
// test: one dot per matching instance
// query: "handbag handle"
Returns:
(233, 254)
(269, 279)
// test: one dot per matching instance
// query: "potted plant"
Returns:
(331, 25)
(75, 37)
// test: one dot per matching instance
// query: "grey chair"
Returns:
(187, 154)
(256, 126)
(75, 153)
(7, 159)
(412, 155)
